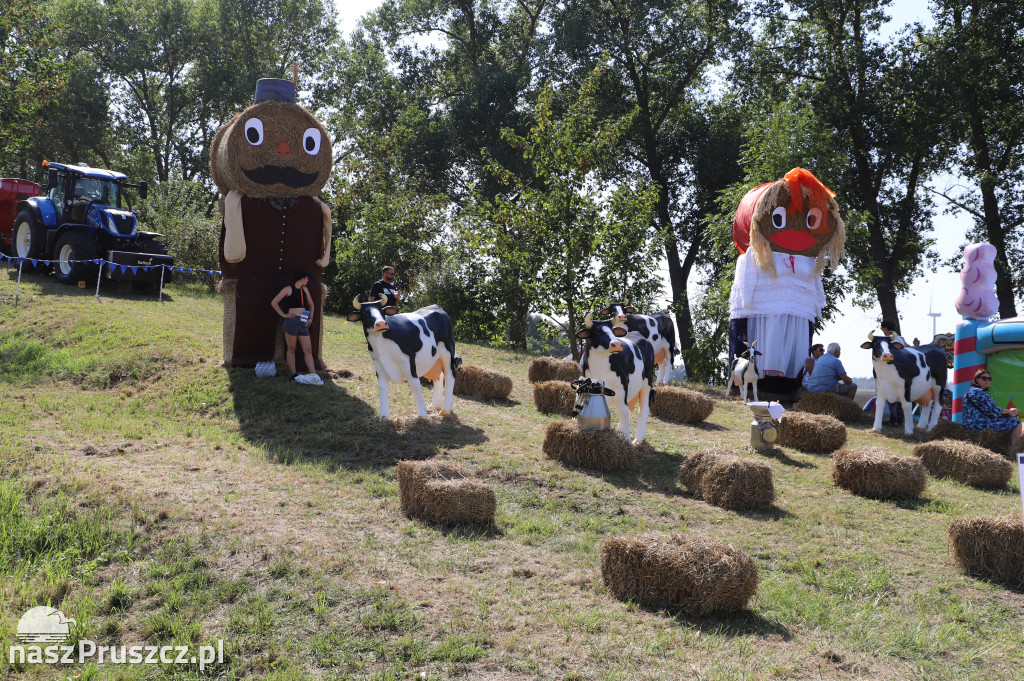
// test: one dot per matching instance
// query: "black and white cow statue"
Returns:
(745, 371)
(907, 375)
(658, 330)
(407, 347)
(624, 362)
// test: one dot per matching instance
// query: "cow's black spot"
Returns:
(433, 350)
(655, 337)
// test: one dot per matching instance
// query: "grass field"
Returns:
(158, 498)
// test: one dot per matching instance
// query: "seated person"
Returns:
(829, 375)
(981, 411)
(817, 350)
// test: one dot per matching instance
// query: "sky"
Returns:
(935, 292)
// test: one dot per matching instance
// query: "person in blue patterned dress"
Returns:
(981, 411)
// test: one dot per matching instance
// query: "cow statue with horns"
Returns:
(407, 347)
(624, 361)
(907, 375)
(657, 329)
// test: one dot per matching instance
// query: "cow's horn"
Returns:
(892, 336)
(356, 304)
(383, 300)
(607, 302)
(871, 336)
(753, 344)
(588, 321)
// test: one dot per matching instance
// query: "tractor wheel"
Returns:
(70, 247)
(29, 239)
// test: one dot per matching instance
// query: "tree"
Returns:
(31, 77)
(881, 104)
(565, 238)
(980, 49)
(661, 54)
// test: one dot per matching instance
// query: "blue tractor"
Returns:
(80, 219)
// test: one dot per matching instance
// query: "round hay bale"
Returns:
(551, 369)
(681, 405)
(878, 473)
(831, 404)
(443, 492)
(692, 574)
(989, 548)
(964, 462)
(992, 440)
(816, 433)
(602, 450)
(483, 384)
(553, 397)
(724, 479)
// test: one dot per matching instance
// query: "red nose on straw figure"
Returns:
(786, 232)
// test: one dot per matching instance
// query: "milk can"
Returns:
(591, 409)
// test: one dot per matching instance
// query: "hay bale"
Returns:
(483, 384)
(817, 433)
(443, 492)
(681, 405)
(989, 548)
(831, 404)
(692, 574)
(554, 397)
(724, 479)
(878, 473)
(551, 369)
(994, 440)
(603, 450)
(964, 462)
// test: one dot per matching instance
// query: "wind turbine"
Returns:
(933, 315)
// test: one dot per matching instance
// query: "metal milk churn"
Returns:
(591, 409)
(763, 431)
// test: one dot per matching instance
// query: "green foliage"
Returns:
(31, 77)
(180, 210)
(566, 238)
(979, 50)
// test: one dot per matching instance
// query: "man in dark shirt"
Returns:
(386, 286)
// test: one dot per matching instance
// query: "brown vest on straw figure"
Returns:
(269, 163)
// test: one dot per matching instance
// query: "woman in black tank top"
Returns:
(297, 314)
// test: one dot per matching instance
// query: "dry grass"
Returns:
(691, 574)
(443, 492)
(964, 462)
(681, 405)
(878, 473)
(816, 433)
(724, 479)
(483, 384)
(602, 450)
(554, 397)
(989, 548)
(831, 404)
(551, 369)
(993, 440)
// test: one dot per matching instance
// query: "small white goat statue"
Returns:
(744, 370)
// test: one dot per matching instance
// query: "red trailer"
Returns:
(11, 192)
